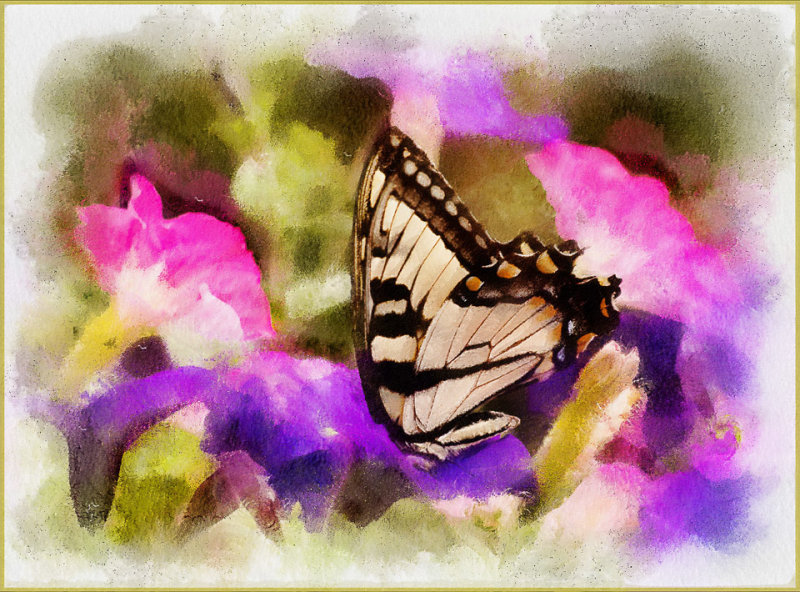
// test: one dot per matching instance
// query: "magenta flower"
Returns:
(628, 228)
(192, 272)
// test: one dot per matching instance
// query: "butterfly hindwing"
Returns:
(447, 318)
(498, 346)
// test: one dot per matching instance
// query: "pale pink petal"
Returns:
(605, 504)
(191, 418)
(145, 201)
(416, 113)
(143, 298)
(212, 318)
(235, 281)
(496, 511)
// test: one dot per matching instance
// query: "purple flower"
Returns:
(498, 466)
(472, 100)
(100, 433)
(303, 421)
(687, 504)
(459, 94)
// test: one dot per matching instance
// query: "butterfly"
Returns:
(445, 317)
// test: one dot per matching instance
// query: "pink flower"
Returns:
(192, 272)
(604, 505)
(629, 229)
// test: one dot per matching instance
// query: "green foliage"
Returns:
(157, 478)
(288, 143)
(492, 177)
(328, 333)
(162, 470)
(182, 112)
(686, 97)
(299, 195)
(330, 101)
(62, 311)
(424, 531)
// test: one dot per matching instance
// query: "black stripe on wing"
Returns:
(392, 313)
(401, 377)
(383, 291)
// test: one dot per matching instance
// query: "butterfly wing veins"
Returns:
(446, 318)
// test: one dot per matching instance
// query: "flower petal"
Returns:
(473, 101)
(180, 257)
(99, 434)
(629, 229)
(496, 467)
(145, 201)
(604, 398)
(107, 235)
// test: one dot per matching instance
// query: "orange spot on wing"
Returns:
(545, 264)
(474, 284)
(584, 341)
(507, 270)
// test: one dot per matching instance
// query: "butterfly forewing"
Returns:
(447, 318)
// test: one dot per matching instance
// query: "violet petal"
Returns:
(100, 433)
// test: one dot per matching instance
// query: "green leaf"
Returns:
(158, 475)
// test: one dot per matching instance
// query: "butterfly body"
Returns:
(446, 318)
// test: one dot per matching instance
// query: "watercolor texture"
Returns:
(182, 401)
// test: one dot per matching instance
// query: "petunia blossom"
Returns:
(603, 505)
(628, 228)
(307, 419)
(686, 504)
(473, 100)
(304, 422)
(190, 278)
(496, 467)
(457, 93)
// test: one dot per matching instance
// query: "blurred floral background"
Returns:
(182, 404)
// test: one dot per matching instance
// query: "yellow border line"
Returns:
(794, 3)
(796, 269)
(753, 3)
(3, 283)
(422, 588)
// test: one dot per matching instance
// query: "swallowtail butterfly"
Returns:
(446, 318)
